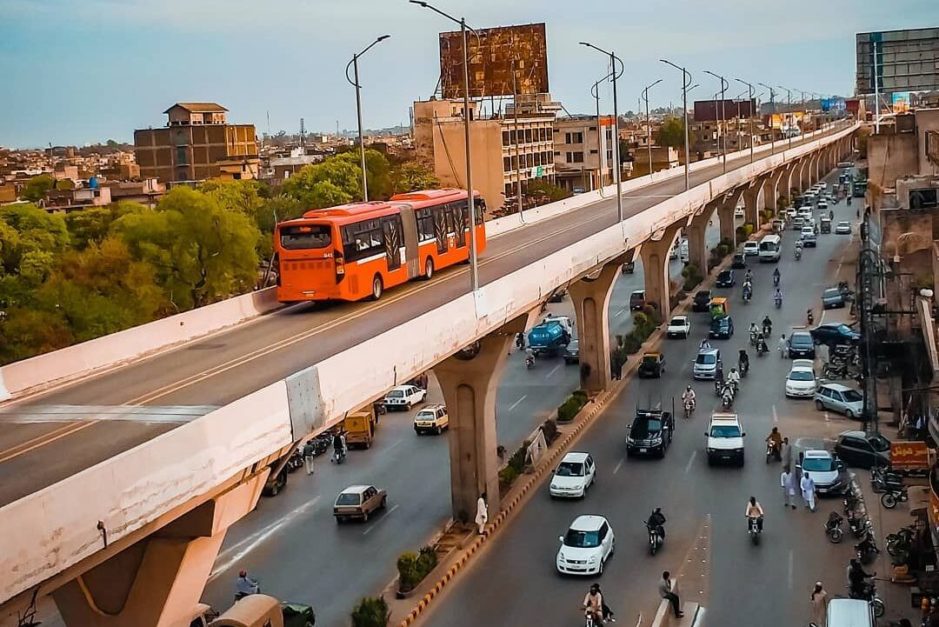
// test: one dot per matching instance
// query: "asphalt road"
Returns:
(226, 366)
(769, 584)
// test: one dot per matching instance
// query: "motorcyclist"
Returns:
(761, 346)
(689, 396)
(733, 378)
(727, 394)
(809, 316)
(776, 276)
(705, 344)
(777, 297)
(748, 277)
(593, 604)
(529, 357)
(747, 291)
(754, 331)
(657, 522)
(339, 446)
(754, 510)
(520, 340)
(245, 585)
(768, 324)
(857, 578)
(775, 440)
(743, 361)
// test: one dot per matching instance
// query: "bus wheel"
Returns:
(428, 269)
(377, 287)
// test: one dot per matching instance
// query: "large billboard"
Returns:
(906, 60)
(501, 61)
(711, 110)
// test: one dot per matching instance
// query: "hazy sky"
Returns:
(78, 71)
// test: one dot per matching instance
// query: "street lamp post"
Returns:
(616, 155)
(791, 118)
(751, 105)
(723, 130)
(772, 102)
(354, 63)
(474, 259)
(645, 96)
(595, 92)
(686, 81)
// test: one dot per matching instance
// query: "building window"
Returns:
(527, 135)
(505, 138)
(574, 138)
(181, 158)
(557, 153)
(593, 129)
(506, 164)
(575, 157)
(594, 152)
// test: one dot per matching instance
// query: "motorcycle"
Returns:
(773, 451)
(891, 497)
(884, 480)
(869, 593)
(866, 550)
(296, 461)
(754, 338)
(746, 296)
(900, 542)
(727, 399)
(767, 330)
(339, 456)
(529, 362)
(859, 525)
(753, 528)
(743, 366)
(810, 317)
(762, 349)
(689, 407)
(321, 444)
(833, 528)
(589, 620)
(778, 301)
(798, 254)
(655, 538)
(775, 280)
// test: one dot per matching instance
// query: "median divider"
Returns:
(573, 430)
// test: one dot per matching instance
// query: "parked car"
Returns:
(722, 328)
(571, 352)
(843, 228)
(751, 248)
(585, 548)
(404, 397)
(637, 300)
(701, 301)
(828, 472)
(839, 398)
(800, 382)
(725, 278)
(801, 345)
(652, 365)
(834, 333)
(432, 419)
(833, 297)
(359, 501)
(859, 449)
(650, 433)
(705, 364)
(573, 476)
(678, 326)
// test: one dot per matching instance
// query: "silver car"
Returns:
(839, 398)
(705, 365)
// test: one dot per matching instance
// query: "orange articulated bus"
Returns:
(359, 250)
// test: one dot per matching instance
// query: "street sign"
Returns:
(537, 172)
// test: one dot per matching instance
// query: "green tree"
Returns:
(93, 225)
(380, 183)
(38, 232)
(411, 176)
(671, 133)
(544, 192)
(201, 252)
(25, 332)
(64, 184)
(37, 187)
(337, 180)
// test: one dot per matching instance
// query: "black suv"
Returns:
(725, 278)
(702, 300)
(650, 433)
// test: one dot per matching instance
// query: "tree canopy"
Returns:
(671, 133)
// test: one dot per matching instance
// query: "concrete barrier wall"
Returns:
(123, 346)
(50, 530)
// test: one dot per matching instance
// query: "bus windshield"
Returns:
(769, 245)
(305, 236)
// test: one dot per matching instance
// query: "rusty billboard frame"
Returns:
(494, 54)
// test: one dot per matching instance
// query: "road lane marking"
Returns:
(790, 569)
(236, 553)
(379, 521)
(516, 403)
(775, 416)
(553, 370)
(694, 454)
(620, 312)
(48, 438)
(618, 466)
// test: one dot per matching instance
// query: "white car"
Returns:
(404, 397)
(801, 382)
(679, 326)
(586, 546)
(724, 439)
(805, 212)
(573, 476)
(791, 212)
(843, 228)
(751, 249)
(739, 212)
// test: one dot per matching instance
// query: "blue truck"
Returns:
(549, 337)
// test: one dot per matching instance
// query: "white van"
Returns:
(850, 613)
(770, 248)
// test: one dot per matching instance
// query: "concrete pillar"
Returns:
(159, 580)
(697, 244)
(753, 202)
(655, 267)
(591, 299)
(725, 213)
(468, 380)
(777, 184)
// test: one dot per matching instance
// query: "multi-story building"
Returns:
(583, 152)
(197, 143)
(504, 149)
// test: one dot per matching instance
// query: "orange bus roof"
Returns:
(428, 197)
(352, 212)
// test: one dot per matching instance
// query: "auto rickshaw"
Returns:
(719, 307)
(652, 365)
(825, 224)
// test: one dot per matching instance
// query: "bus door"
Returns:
(393, 240)
(441, 229)
(409, 224)
(459, 215)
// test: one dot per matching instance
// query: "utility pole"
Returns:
(772, 102)
(751, 106)
(616, 156)
(645, 96)
(686, 81)
(518, 168)
(358, 108)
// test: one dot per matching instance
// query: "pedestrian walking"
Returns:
(785, 454)
(783, 346)
(482, 513)
(819, 600)
(308, 454)
(808, 491)
(787, 481)
(666, 592)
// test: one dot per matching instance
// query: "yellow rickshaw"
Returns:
(719, 307)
